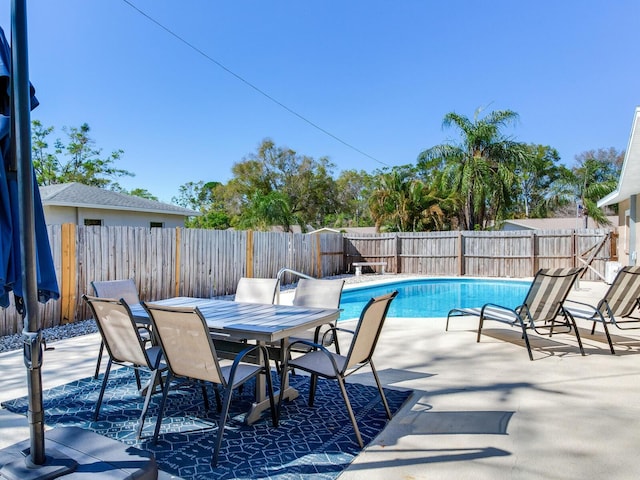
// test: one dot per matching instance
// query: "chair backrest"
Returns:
(623, 294)
(318, 293)
(117, 289)
(119, 330)
(256, 290)
(186, 343)
(368, 329)
(549, 289)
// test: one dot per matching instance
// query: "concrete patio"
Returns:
(479, 410)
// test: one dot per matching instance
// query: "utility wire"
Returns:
(249, 84)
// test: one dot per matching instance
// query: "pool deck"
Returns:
(479, 410)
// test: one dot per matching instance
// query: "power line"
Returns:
(251, 85)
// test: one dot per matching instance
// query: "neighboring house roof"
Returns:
(357, 230)
(86, 196)
(555, 223)
(325, 230)
(629, 182)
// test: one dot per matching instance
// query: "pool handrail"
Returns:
(281, 272)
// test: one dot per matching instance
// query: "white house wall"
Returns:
(56, 215)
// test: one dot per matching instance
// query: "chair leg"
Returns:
(147, 399)
(606, 332)
(138, 383)
(272, 402)
(313, 383)
(99, 361)
(102, 389)
(222, 422)
(480, 323)
(343, 390)
(526, 341)
(205, 397)
(216, 391)
(384, 399)
(575, 329)
(283, 379)
(165, 392)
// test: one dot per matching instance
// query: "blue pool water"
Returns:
(435, 297)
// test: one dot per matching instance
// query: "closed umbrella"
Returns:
(11, 270)
(26, 264)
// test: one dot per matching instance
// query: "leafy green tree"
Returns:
(45, 163)
(266, 210)
(85, 163)
(402, 202)
(534, 177)
(480, 167)
(142, 193)
(594, 175)
(353, 188)
(306, 184)
(206, 198)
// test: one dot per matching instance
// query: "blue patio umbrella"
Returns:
(10, 258)
(26, 264)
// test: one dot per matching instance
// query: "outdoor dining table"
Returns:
(263, 323)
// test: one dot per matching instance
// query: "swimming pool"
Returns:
(434, 297)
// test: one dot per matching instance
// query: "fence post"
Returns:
(177, 264)
(68, 274)
(460, 254)
(316, 238)
(534, 257)
(249, 272)
(398, 248)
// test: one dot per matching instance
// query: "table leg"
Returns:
(262, 399)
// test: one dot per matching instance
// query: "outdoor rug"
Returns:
(316, 442)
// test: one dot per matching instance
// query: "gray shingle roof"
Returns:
(79, 195)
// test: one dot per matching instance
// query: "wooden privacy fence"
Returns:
(166, 262)
(515, 254)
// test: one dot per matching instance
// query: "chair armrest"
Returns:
(334, 330)
(584, 310)
(579, 303)
(247, 351)
(501, 313)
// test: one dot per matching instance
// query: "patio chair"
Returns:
(116, 289)
(320, 362)
(540, 310)
(121, 337)
(256, 290)
(318, 294)
(617, 307)
(190, 353)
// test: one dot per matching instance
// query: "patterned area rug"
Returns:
(316, 442)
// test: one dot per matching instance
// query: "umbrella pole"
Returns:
(32, 333)
(36, 463)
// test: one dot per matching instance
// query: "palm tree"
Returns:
(404, 203)
(587, 182)
(480, 168)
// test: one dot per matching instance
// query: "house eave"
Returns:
(120, 208)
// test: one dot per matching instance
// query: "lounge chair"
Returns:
(190, 353)
(117, 289)
(540, 310)
(320, 362)
(618, 306)
(121, 337)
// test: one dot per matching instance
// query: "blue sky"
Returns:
(379, 75)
